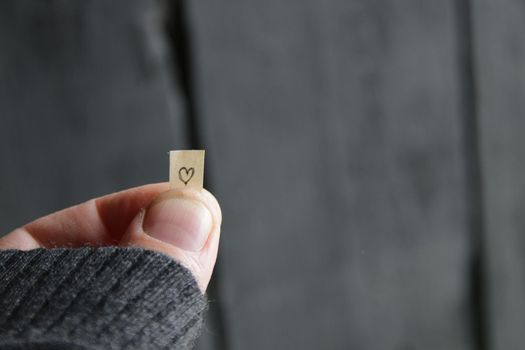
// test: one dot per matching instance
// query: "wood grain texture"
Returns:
(500, 62)
(334, 141)
(87, 102)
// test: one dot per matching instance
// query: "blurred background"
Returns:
(366, 153)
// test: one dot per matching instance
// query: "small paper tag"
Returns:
(187, 169)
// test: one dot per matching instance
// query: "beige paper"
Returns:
(187, 169)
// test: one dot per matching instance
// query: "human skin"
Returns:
(183, 224)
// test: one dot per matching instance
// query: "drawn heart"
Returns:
(186, 174)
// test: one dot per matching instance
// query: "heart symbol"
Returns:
(186, 174)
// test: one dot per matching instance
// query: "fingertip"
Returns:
(184, 224)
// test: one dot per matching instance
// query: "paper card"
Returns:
(187, 169)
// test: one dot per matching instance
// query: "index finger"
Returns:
(100, 221)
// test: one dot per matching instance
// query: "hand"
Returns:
(184, 224)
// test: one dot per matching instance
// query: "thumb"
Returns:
(184, 224)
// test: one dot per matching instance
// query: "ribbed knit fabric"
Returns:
(97, 298)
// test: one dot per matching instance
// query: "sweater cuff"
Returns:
(97, 298)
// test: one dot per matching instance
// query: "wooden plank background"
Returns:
(366, 154)
(345, 157)
(87, 106)
(500, 72)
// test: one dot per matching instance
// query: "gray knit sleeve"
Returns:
(97, 298)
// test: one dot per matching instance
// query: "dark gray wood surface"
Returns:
(335, 143)
(342, 142)
(88, 102)
(500, 70)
